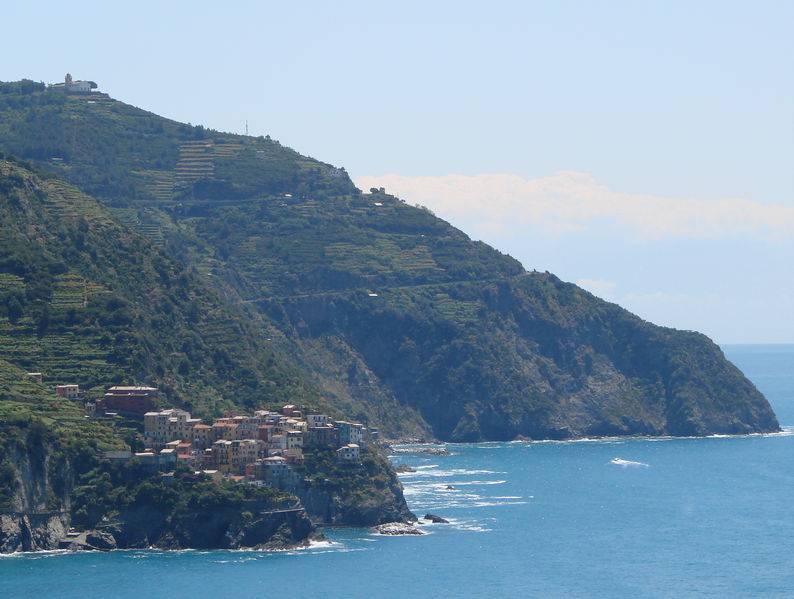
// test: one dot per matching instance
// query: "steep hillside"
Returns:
(85, 300)
(392, 310)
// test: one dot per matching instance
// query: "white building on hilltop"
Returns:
(74, 87)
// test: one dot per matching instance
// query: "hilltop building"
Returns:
(70, 86)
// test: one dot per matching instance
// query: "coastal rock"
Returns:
(91, 540)
(223, 528)
(101, 540)
(403, 468)
(372, 494)
(397, 528)
(30, 532)
(436, 519)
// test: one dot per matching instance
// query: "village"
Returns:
(258, 449)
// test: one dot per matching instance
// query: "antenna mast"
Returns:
(246, 127)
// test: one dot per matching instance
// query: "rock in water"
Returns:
(436, 519)
(402, 468)
(397, 528)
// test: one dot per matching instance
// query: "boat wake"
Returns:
(626, 463)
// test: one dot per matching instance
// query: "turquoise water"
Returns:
(688, 518)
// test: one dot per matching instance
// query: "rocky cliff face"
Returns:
(365, 493)
(31, 532)
(543, 359)
(229, 528)
(37, 516)
(345, 507)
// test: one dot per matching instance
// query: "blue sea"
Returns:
(673, 518)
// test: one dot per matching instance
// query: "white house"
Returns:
(351, 451)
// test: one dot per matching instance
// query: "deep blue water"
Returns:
(689, 518)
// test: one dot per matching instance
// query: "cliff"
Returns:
(49, 489)
(543, 359)
(35, 487)
(252, 525)
(365, 493)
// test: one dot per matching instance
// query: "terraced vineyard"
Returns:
(195, 162)
(65, 358)
(71, 291)
(84, 300)
(146, 226)
(10, 283)
(67, 202)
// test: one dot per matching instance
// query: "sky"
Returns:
(642, 149)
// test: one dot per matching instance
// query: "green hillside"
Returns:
(85, 300)
(390, 310)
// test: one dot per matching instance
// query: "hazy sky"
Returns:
(642, 149)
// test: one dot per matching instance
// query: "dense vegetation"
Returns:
(84, 300)
(399, 318)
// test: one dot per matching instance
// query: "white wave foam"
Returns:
(626, 463)
(600, 440)
(467, 525)
(473, 528)
(477, 482)
(323, 544)
(453, 472)
(36, 554)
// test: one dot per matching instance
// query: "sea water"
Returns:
(669, 518)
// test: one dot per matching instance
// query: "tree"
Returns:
(14, 309)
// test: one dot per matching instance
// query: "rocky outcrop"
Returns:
(366, 493)
(92, 540)
(403, 469)
(39, 517)
(31, 532)
(436, 519)
(220, 529)
(340, 508)
(397, 528)
(276, 530)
